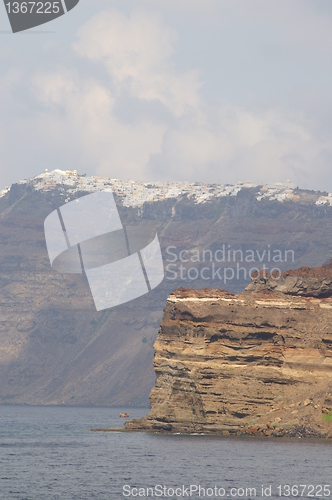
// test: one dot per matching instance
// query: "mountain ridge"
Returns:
(56, 349)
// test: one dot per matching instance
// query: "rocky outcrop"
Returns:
(305, 282)
(254, 363)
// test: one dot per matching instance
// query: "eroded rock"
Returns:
(241, 364)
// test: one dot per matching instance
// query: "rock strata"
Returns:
(305, 282)
(254, 363)
(55, 348)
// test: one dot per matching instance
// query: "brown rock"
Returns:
(305, 282)
(220, 360)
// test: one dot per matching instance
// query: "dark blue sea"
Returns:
(48, 453)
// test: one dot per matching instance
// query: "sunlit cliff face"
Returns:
(255, 363)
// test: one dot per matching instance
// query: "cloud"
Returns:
(120, 105)
(258, 145)
(137, 53)
(81, 117)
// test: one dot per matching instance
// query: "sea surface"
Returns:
(48, 453)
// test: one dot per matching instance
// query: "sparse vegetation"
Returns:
(328, 416)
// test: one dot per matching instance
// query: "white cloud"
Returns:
(129, 110)
(208, 140)
(80, 116)
(55, 88)
(137, 52)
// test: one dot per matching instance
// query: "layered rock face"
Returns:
(254, 363)
(55, 348)
(305, 282)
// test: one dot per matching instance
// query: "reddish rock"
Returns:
(224, 360)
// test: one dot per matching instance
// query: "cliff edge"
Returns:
(258, 363)
(304, 282)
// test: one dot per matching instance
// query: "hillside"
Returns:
(56, 349)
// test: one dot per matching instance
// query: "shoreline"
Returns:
(296, 433)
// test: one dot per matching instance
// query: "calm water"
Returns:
(48, 453)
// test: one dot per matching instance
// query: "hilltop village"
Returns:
(135, 193)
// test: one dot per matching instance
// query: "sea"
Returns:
(49, 453)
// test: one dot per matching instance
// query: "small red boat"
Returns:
(124, 415)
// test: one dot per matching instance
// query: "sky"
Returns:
(171, 90)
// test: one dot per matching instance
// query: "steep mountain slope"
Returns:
(55, 348)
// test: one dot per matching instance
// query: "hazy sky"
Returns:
(209, 90)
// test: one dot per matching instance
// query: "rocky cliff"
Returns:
(56, 349)
(304, 282)
(253, 363)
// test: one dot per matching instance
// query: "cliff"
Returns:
(305, 282)
(56, 349)
(253, 363)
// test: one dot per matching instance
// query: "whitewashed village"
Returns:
(135, 194)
